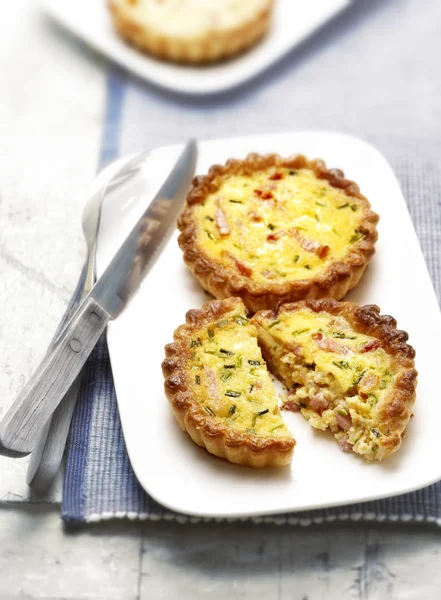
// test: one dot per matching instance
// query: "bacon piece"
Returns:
(242, 268)
(345, 445)
(255, 217)
(310, 245)
(291, 406)
(369, 383)
(318, 402)
(329, 345)
(344, 421)
(370, 346)
(221, 222)
(213, 384)
(276, 176)
(273, 237)
(267, 196)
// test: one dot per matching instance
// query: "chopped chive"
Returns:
(210, 333)
(222, 323)
(239, 361)
(343, 336)
(341, 364)
(317, 218)
(254, 362)
(263, 412)
(302, 405)
(359, 378)
(241, 320)
(195, 343)
(296, 258)
(341, 411)
(251, 389)
(343, 205)
(336, 232)
(226, 352)
(308, 267)
(277, 427)
(229, 366)
(236, 201)
(376, 432)
(232, 409)
(354, 207)
(274, 323)
(209, 411)
(210, 235)
(198, 380)
(299, 331)
(271, 226)
(252, 371)
(209, 219)
(226, 375)
(320, 204)
(232, 394)
(358, 235)
(292, 172)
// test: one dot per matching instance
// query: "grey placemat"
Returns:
(374, 72)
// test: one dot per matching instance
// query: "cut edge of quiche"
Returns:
(227, 275)
(220, 390)
(225, 34)
(348, 369)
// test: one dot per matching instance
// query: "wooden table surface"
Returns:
(51, 110)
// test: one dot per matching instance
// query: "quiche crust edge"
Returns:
(224, 281)
(395, 410)
(205, 430)
(209, 46)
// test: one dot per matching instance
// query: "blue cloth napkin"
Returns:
(360, 75)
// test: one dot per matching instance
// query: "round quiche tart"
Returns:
(349, 370)
(220, 389)
(271, 229)
(192, 31)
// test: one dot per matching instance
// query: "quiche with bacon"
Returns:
(192, 31)
(220, 389)
(349, 370)
(268, 228)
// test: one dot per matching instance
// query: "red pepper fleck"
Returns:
(267, 196)
(373, 345)
(258, 192)
(276, 176)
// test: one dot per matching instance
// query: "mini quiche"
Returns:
(192, 31)
(267, 229)
(348, 368)
(220, 389)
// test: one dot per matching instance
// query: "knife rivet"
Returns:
(75, 345)
(94, 318)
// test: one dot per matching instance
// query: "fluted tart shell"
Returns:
(189, 31)
(349, 369)
(269, 229)
(220, 390)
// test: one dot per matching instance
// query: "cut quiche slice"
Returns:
(220, 389)
(348, 368)
(192, 31)
(271, 229)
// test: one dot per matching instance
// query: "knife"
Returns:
(28, 414)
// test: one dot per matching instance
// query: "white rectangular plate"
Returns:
(294, 20)
(186, 478)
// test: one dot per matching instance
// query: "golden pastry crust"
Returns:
(218, 437)
(394, 410)
(223, 280)
(214, 40)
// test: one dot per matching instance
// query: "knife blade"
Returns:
(28, 414)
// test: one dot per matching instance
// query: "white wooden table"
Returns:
(51, 110)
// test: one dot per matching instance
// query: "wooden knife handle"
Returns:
(24, 421)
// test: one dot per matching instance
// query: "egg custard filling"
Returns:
(278, 223)
(230, 379)
(220, 389)
(339, 378)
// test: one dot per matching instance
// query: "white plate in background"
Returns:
(294, 20)
(186, 478)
